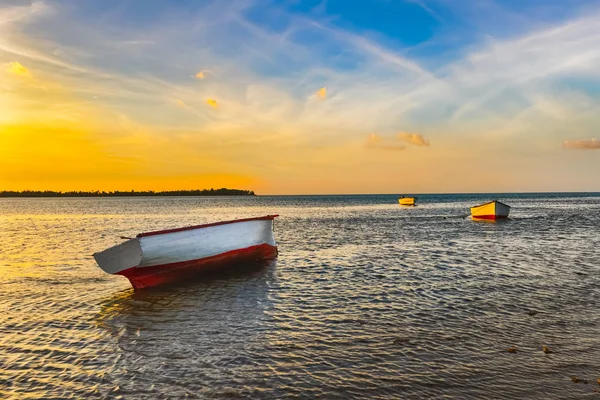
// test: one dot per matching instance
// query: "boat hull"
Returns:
(176, 272)
(156, 258)
(493, 210)
(406, 201)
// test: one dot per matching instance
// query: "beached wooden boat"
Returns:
(406, 201)
(491, 210)
(155, 258)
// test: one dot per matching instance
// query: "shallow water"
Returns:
(366, 300)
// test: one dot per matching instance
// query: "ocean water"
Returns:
(366, 300)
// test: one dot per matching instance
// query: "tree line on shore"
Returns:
(117, 193)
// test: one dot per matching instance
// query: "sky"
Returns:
(299, 96)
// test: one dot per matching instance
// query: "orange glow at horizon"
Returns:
(50, 158)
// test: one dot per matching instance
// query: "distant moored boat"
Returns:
(154, 258)
(406, 201)
(492, 210)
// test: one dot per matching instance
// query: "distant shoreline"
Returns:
(132, 193)
(237, 192)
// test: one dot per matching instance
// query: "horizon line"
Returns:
(157, 193)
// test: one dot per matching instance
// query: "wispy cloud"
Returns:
(181, 104)
(375, 141)
(377, 96)
(413, 138)
(426, 8)
(22, 11)
(586, 144)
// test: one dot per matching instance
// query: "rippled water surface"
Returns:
(366, 300)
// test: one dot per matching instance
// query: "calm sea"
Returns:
(366, 300)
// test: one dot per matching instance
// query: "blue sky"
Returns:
(293, 94)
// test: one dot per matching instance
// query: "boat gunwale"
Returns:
(187, 228)
(490, 202)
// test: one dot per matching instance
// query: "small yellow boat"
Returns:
(406, 201)
(492, 210)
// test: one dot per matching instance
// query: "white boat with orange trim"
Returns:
(492, 210)
(406, 201)
(155, 258)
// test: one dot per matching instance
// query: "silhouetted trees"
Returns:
(97, 193)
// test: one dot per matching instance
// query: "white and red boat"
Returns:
(154, 258)
(492, 210)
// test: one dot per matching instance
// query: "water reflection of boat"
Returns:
(155, 258)
(406, 201)
(187, 321)
(492, 210)
(222, 287)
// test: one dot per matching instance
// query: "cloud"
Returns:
(213, 103)
(381, 88)
(181, 104)
(23, 12)
(202, 73)
(15, 67)
(322, 93)
(375, 141)
(586, 144)
(426, 8)
(413, 138)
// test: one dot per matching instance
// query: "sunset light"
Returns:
(281, 99)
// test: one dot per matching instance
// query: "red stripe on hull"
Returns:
(143, 277)
(186, 228)
(493, 217)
